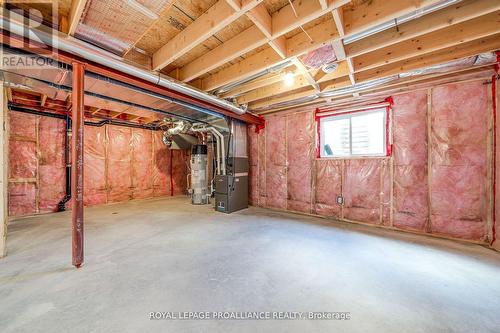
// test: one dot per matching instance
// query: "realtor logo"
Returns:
(35, 20)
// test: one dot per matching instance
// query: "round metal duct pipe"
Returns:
(77, 47)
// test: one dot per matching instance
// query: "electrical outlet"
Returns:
(340, 199)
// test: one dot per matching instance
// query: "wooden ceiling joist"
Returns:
(273, 89)
(342, 70)
(460, 12)
(272, 28)
(246, 41)
(299, 13)
(358, 17)
(460, 51)
(75, 14)
(209, 23)
(305, 73)
(295, 46)
(474, 29)
(254, 84)
(282, 99)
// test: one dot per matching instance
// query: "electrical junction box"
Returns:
(340, 199)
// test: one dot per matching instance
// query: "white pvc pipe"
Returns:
(223, 150)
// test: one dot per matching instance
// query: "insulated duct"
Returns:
(22, 27)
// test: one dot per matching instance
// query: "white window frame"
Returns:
(349, 116)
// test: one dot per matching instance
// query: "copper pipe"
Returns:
(77, 112)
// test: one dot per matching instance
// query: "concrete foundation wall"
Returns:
(438, 179)
(121, 164)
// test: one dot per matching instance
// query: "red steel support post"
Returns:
(77, 114)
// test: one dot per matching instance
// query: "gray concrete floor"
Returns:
(167, 255)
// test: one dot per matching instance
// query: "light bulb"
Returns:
(289, 79)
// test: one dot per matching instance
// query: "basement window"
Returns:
(355, 134)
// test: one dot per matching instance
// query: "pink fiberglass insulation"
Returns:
(411, 209)
(22, 146)
(253, 160)
(385, 191)
(328, 187)
(51, 163)
(300, 157)
(23, 160)
(161, 167)
(261, 143)
(276, 183)
(94, 159)
(142, 164)
(459, 160)
(22, 164)
(180, 160)
(22, 125)
(497, 185)
(319, 57)
(22, 199)
(119, 165)
(362, 190)
(123, 165)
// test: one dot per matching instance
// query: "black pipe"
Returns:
(112, 99)
(61, 206)
(105, 121)
(154, 94)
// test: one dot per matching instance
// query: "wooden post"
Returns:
(4, 165)
(77, 112)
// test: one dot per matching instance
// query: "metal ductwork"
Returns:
(179, 127)
(22, 27)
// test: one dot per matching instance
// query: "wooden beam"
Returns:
(351, 71)
(63, 24)
(235, 4)
(300, 13)
(75, 14)
(488, 44)
(338, 49)
(330, 85)
(261, 18)
(279, 46)
(249, 66)
(43, 99)
(9, 93)
(402, 85)
(454, 14)
(214, 19)
(338, 17)
(254, 84)
(167, 8)
(305, 73)
(273, 89)
(456, 34)
(282, 99)
(357, 17)
(364, 14)
(323, 3)
(4, 162)
(322, 33)
(246, 41)
(342, 70)
(340, 82)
